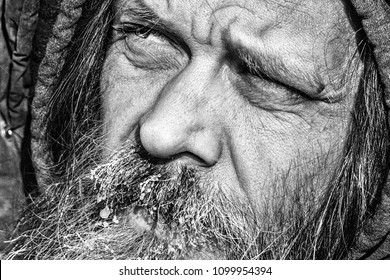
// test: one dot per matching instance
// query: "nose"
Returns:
(182, 123)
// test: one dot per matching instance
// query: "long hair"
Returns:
(75, 104)
(355, 191)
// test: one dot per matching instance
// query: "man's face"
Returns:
(250, 94)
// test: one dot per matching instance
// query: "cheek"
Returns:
(268, 147)
(127, 95)
(259, 146)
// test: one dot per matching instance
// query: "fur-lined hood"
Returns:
(375, 19)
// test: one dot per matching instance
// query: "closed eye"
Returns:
(250, 67)
(146, 47)
(141, 31)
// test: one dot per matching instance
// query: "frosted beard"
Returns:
(130, 206)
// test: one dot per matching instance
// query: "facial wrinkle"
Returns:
(204, 21)
(208, 23)
(162, 6)
(202, 28)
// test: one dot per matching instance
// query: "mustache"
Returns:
(95, 213)
(129, 179)
(90, 216)
(187, 217)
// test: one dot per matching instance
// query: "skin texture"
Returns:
(206, 109)
(190, 129)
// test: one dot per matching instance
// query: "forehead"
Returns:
(309, 35)
(253, 14)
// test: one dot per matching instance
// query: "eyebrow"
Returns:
(273, 67)
(269, 66)
(138, 12)
(137, 9)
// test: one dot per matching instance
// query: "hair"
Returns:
(75, 103)
(352, 195)
(355, 191)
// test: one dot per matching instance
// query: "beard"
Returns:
(132, 206)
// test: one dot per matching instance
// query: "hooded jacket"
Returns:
(374, 242)
(18, 21)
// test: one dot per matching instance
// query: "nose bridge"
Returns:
(184, 100)
(188, 93)
(181, 119)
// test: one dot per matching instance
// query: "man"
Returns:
(210, 129)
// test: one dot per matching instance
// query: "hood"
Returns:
(373, 16)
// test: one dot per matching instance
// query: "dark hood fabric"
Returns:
(375, 19)
(375, 15)
(18, 21)
(374, 242)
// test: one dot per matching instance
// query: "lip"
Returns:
(148, 222)
(142, 219)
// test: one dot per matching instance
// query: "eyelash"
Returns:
(141, 31)
(247, 66)
(254, 76)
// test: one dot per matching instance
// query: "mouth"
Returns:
(147, 221)
(142, 219)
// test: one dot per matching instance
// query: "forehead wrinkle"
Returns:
(213, 26)
(136, 8)
(293, 68)
(160, 5)
(202, 18)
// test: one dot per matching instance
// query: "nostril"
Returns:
(181, 159)
(161, 141)
(187, 158)
(169, 138)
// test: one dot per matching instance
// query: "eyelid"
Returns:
(160, 31)
(133, 27)
(260, 71)
(257, 70)
(157, 25)
(156, 53)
